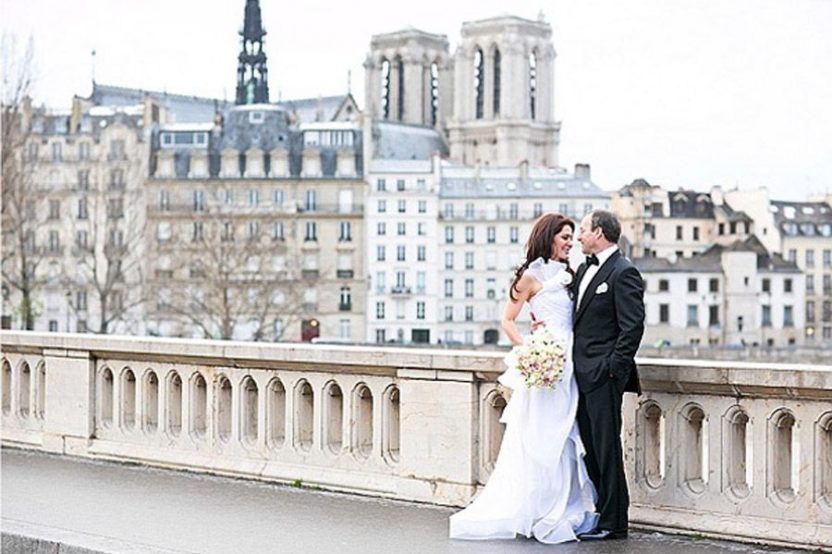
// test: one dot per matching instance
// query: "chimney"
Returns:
(582, 171)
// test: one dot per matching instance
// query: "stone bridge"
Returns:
(730, 450)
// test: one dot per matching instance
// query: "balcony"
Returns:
(345, 273)
(345, 306)
(400, 291)
(310, 273)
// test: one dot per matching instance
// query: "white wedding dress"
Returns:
(539, 487)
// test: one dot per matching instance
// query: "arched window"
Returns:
(479, 82)
(434, 93)
(532, 83)
(495, 101)
(399, 88)
(385, 88)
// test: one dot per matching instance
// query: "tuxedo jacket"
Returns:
(609, 324)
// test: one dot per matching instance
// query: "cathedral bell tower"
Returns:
(252, 75)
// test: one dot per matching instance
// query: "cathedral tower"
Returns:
(503, 113)
(252, 75)
(408, 78)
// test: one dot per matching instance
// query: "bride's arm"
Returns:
(524, 291)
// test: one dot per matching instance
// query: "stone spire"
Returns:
(252, 75)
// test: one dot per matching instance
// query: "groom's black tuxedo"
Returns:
(609, 323)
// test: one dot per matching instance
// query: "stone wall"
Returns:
(730, 449)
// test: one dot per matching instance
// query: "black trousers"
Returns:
(599, 421)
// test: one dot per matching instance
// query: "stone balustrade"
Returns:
(723, 448)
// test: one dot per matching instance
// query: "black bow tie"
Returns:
(592, 259)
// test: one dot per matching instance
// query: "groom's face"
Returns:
(587, 237)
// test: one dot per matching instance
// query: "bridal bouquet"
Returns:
(540, 359)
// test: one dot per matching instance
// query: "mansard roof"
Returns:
(506, 183)
(690, 204)
(402, 141)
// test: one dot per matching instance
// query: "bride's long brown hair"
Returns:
(539, 245)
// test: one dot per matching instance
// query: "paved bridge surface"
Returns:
(59, 504)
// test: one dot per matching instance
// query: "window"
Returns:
(277, 197)
(253, 230)
(469, 234)
(495, 96)
(787, 285)
(827, 284)
(792, 255)
(587, 208)
(84, 179)
(381, 337)
(449, 234)
(490, 286)
(449, 288)
(827, 259)
(532, 84)
(382, 206)
(199, 200)
(810, 311)
(513, 235)
(721, 230)
(679, 232)
(82, 208)
(381, 185)
(766, 285)
(381, 228)
(116, 237)
(423, 206)
(401, 228)
(469, 260)
(54, 209)
(513, 210)
(469, 210)
(664, 313)
(420, 282)
(401, 253)
(491, 235)
(277, 230)
(420, 185)
(81, 239)
(380, 310)
(713, 285)
(538, 209)
(381, 253)
(696, 233)
(381, 281)
(311, 231)
(83, 151)
(401, 279)
(400, 185)
(449, 260)
(53, 326)
(693, 315)
(421, 253)
(115, 208)
(810, 258)
(469, 288)
(345, 298)
(827, 311)
(490, 260)
(692, 285)
(310, 200)
(810, 284)
(117, 179)
(54, 242)
(345, 231)
(57, 153)
(163, 231)
(254, 198)
(713, 316)
(197, 231)
(420, 310)
(766, 318)
(469, 313)
(449, 313)
(420, 229)
(479, 83)
(788, 316)
(733, 227)
(402, 206)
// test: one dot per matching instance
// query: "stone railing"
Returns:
(717, 448)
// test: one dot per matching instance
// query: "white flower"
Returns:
(565, 278)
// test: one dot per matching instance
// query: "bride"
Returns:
(539, 487)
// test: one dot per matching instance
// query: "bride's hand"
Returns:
(536, 324)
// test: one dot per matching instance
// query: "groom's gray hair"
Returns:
(609, 224)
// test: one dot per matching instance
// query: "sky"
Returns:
(683, 93)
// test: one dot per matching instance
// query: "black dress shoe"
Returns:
(603, 535)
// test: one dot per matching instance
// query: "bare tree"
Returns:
(21, 255)
(235, 283)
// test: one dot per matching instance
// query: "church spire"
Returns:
(252, 75)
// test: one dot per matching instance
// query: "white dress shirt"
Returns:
(603, 256)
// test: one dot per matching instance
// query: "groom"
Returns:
(609, 323)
